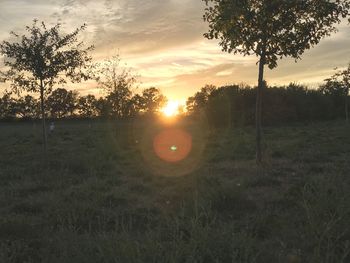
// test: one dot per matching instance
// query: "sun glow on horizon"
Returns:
(173, 108)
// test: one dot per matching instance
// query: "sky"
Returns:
(162, 42)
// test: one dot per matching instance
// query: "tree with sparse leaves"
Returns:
(45, 57)
(271, 29)
(117, 81)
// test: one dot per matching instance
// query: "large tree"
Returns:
(271, 29)
(45, 57)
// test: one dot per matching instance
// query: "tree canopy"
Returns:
(272, 28)
(45, 57)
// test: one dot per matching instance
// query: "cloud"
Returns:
(162, 40)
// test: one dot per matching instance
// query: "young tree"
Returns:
(118, 83)
(271, 29)
(43, 58)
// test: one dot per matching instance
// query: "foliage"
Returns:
(198, 101)
(87, 106)
(151, 100)
(272, 28)
(62, 103)
(118, 83)
(227, 106)
(233, 105)
(27, 107)
(43, 56)
(7, 107)
(111, 76)
(338, 86)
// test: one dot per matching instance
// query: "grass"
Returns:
(102, 195)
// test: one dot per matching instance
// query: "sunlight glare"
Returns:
(172, 108)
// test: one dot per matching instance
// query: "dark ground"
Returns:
(101, 195)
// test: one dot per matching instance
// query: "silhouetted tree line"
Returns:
(234, 105)
(62, 103)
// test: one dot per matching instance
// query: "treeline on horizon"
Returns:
(63, 104)
(226, 106)
(234, 105)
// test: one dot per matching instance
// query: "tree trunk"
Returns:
(42, 106)
(259, 109)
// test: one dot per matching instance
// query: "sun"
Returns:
(171, 109)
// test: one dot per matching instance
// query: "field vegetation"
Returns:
(102, 195)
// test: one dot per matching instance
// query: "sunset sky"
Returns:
(162, 41)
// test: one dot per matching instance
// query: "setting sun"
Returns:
(171, 108)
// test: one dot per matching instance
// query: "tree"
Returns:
(7, 107)
(28, 107)
(87, 106)
(118, 83)
(103, 108)
(338, 86)
(62, 103)
(119, 102)
(136, 105)
(199, 100)
(271, 29)
(44, 58)
(152, 100)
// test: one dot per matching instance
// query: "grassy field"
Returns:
(102, 195)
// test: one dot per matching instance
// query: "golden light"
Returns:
(171, 109)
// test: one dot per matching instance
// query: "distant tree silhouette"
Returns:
(7, 107)
(119, 102)
(28, 107)
(136, 103)
(271, 29)
(87, 106)
(233, 105)
(118, 83)
(44, 58)
(152, 100)
(197, 102)
(338, 85)
(62, 103)
(103, 108)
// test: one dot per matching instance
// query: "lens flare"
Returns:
(172, 145)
